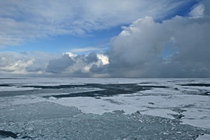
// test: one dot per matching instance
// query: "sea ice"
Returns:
(83, 108)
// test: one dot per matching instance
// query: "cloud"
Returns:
(139, 50)
(197, 11)
(92, 57)
(85, 50)
(49, 64)
(206, 4)
(21, 21)
(25, 63)
(59, 65)
(201, 9)
(78, 65)
(13, 63)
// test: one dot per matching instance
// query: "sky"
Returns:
(105, 38)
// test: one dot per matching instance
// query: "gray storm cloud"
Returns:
(77, 66)
(58, 65)
(139, 50)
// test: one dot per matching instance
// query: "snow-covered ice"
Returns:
(37, 103)
(204, 137)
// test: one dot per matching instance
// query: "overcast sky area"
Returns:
(105, 38)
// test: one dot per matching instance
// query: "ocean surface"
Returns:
(104, 109)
